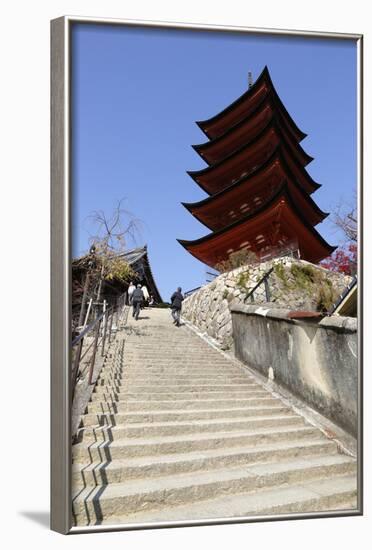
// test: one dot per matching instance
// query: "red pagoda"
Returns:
(259, 191)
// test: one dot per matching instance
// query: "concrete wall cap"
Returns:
(347, 324)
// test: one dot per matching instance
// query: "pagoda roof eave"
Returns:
(195, 174)
(194, 207)
(277, 153)
(264, 75)
(271, 124)
(200, 147)
(191, 206)
(282, 193)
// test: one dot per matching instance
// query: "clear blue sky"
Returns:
(136, 95)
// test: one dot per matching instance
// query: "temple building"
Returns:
(259, 192)
(138, 260)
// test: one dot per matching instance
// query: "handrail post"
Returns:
(93, 359)
(88, 311)
(75, 369)
(111, 318)
(84, 299)
(118, 306)
(266, 284)
(104, 313)
(267, 289)
(104, 332)
(124, 303)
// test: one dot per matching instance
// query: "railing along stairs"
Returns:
(91, 340)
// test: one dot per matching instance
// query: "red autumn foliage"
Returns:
(343, 260)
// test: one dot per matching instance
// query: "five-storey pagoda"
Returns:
(259, 191)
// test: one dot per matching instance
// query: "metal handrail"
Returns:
(87, 351)
(262, 280)
(90, 327)
(189, 292)
(95, 327)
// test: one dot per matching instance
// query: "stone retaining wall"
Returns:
(209, 308)
(317, 361)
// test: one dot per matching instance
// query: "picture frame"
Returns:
(61, 257)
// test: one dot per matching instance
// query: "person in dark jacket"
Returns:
(176, 305)
(137, 300)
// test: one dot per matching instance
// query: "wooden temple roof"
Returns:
(246, 103)
(244, 196)
(274, 223)
(251, 155)
(138, 259)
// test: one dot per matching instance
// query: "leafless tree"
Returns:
(109, 243)
(345, 218)
(113, 231)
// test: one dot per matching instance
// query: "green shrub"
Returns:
(280, 272)
(325, 296)
(243, 279)
(309, 280)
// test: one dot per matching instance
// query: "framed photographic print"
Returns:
(206, 274)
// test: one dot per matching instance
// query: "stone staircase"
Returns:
(176, 431)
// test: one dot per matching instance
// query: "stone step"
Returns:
(336, 494)
(174, 416)
(173, 369)
(150, 382)
(122, 448)
(177, 362)
(140, 405)
(112, 393)
(167, 491)
(101, 473)
(174, 350)
(178, 347)
(164, 378)
(119, 379)
(157, 429)
(176, 388)
(209, 364)
(125, 396)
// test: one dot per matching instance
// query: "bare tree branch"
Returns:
(345, 218)
(110, 240)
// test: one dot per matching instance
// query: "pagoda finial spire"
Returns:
(250, 79)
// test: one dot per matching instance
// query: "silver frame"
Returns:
(61, 498)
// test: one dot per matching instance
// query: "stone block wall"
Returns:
(290, 284)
